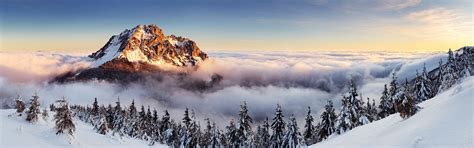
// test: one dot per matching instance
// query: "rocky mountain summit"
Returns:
(138, 52)
(147, 44)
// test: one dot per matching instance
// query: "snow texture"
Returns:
(445, 121)
(16, 132)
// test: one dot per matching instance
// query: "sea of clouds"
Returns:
(263, 79)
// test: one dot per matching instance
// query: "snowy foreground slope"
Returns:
(445, 121)
(15, 132)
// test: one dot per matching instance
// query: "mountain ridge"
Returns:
(148, 44)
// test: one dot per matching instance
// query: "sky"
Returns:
(291, 25)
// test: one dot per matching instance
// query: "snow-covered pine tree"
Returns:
(215, 141)
(406, 105)
(394, 92)
(263, 135)
(205, 140)
(186, 129)
(438, 80)
(231, 135)
(363, 112)
(355, 105)
(372, 109)
(245, 129)
(20, 105)
(165, 127)
(102, 127)
(132, 123)
(344, 120)
(143, 124)
(328, 119)
(292, 136)
(33, 112)
(156, 135)
(309, 135)
(149, 124)
(171, 135)
(45, 114)
(95, 108)
(423, 86)
(256, 137)
(194, 132)
(449, 75)
(278, 127)
(464, 64)
(63, 118)
(109, 116)
(386, 105)
(118, 120)
(350, 111)
(223, 138)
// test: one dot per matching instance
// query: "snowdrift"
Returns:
(445, 121)
(18, 133)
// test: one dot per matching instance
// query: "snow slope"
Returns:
(445, 121)
(15, 132)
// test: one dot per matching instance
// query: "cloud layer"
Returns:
(262, 79)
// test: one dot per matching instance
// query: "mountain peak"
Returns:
(147, 44)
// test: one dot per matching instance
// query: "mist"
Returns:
(263, 79)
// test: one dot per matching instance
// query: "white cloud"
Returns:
(293, 79)
(399, 4)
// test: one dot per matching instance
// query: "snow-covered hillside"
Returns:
(18, 133)
(445, 121)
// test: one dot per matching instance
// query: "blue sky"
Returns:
(242, 25)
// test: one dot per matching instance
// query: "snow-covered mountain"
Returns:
(137, 53)
(445, 121)
(148, 44)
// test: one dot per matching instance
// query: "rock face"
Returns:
(147, 44)
(135, 53)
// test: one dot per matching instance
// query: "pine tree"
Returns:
(344, 121)
(45, 114)
(263, 135)
(95, 108)
(245, 129)
(194, 132)
(143, 124)
(205, 141)
(406, 105)
(449, 76)
(231, 134)
(102, 127)
(308, 134)
(109, 116)
(394, 92)
(422, 86)
(292, 137)
(132, 127)
(386, 105)
(278, 126)
(187, 130)
(34, 109)
(438, 80)
(20, 105)
(372, 109)
(364, 112)
(223, 139)
(464, 64)
(165, 127)
(328, 118)
(215, 141)
(118, 120)
(156, 135)
(63, 119)
(350, 115)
